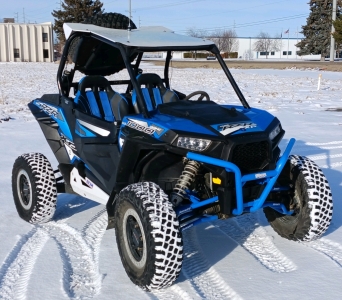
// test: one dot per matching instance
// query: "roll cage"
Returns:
(128, 54)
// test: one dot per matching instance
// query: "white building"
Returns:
(288, 49)
(245, 49)
(26, 42)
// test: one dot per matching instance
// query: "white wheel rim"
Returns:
(28, 205)
(139, 264)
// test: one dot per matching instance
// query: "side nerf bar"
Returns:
(268, 177)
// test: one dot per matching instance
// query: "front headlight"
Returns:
(193, 143)
(275, 132)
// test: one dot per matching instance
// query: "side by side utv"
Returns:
(160, 160)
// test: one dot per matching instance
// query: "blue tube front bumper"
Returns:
(266, 177)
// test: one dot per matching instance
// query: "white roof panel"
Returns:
(149, 36)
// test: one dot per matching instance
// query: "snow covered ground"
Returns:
(74, 257)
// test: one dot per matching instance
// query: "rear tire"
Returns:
(148, 236)
(110, 20)
(311, 199)
(34, 188)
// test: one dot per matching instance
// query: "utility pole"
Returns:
(17, 17)
(288, 43)
(281, 41)
(297, 42)
(332, 40)
(130, 15)
(129, 20)
(250, 48)
(24, 14)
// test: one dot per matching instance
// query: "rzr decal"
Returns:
(70, 149)
(70, 144)
(50, 110)
(227, 129)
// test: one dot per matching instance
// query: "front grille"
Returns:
(252, 156)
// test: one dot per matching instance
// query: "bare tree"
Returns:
(277, 43)
(193, 31)
(231, 43)
(266, 44)
(217, 38)
(225, 40)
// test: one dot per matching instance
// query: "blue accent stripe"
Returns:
(77, 96)
(106, 107)
(87, 132)
(134, 97)
(157, 96)
(147, 98)
(93, 104)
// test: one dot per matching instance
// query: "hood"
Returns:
(222, 120)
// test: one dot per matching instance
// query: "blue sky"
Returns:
(247, 17)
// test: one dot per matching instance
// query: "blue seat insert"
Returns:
(154, 92)
(100, 101)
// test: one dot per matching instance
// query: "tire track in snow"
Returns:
(303, 148)
(205, 280)
(93, 232)
(79, 253)
(172, 292)
(180, 292)
(17, 268)
(322, 144)
(329, 248)
(19, 265)
(246, 231)
(320, 157)
(333, 165)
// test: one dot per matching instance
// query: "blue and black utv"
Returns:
(160, 160)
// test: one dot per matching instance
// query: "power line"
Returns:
(225, 11)
(167, 5)
(253, 23)
(39, 9)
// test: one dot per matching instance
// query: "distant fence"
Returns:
(205, 54)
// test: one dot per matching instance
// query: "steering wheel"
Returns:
(200, 98)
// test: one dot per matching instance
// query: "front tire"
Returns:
(148, 236)
(311, 200)
(34, 188)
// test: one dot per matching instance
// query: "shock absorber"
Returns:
(184, 181)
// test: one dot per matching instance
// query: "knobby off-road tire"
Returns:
(312, 200)
(110, 20)
(148, 236)
(34, 188)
